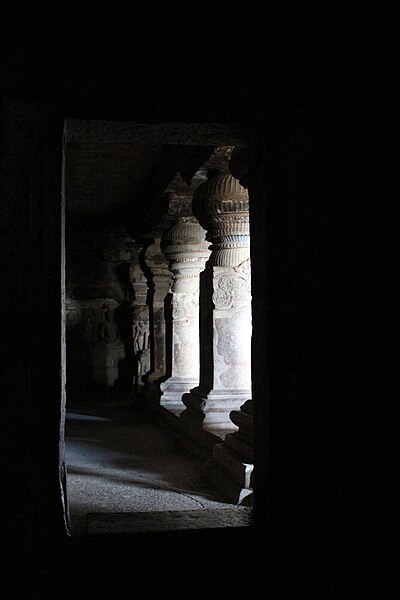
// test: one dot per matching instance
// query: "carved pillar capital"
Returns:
(221, 205)
(187, 250)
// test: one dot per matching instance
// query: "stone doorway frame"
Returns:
(175, 133)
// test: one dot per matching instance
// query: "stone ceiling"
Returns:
(117, 171)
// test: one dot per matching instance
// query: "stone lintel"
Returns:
(123, 132)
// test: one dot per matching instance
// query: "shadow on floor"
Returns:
(118, 461)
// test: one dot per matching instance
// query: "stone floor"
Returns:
(120, 462)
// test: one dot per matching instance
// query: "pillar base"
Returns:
(172, 390)
(231, 465)
(211, 411)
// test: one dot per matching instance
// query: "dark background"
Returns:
(321, 85)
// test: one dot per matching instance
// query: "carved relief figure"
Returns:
(140, 332)
(107, 350)
(141, 339)
(108, 329)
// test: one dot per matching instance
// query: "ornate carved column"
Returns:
(160, 280)
(231, 465)
(221, 205)
(185, 246)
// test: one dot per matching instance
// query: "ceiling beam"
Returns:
(208, 134)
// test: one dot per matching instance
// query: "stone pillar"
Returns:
(160, 280)
(231, 465)
(140, 321)
(222, 207)
(185, 246)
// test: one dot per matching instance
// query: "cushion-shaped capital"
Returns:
(220, 195)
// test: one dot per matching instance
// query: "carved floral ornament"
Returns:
(232, 289)
(185, 306)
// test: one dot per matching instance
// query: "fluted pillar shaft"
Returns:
(185, 246)
(221, 205)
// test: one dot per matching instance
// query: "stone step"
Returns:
(233, 464)
(241, 444)
(195, 448)
(194, 439)
(193, 429)
(232, 491)
(117, 523)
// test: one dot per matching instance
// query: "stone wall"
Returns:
(322, 244)
(100, 360)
